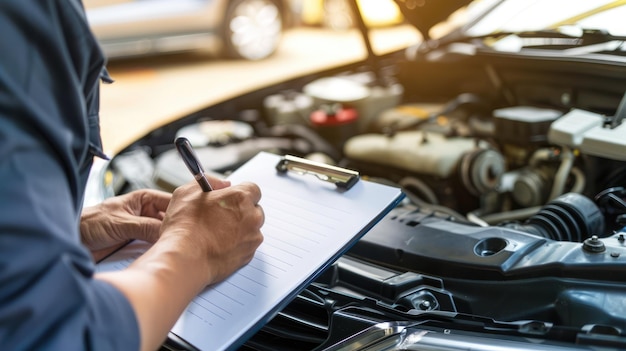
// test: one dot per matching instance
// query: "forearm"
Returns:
(159, 285)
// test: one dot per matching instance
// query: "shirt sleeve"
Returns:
(49, 69)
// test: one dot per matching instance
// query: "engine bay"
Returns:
(514, 173)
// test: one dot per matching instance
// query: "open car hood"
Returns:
(425, 14)
(514, 166)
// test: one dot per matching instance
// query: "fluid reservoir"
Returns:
(359, 92)
(335, 123)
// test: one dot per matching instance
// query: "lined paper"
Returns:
(308, 224)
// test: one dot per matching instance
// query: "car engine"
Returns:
(513, 167)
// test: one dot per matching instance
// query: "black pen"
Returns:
(189, 157)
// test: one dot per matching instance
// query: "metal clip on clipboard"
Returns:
(341, 177)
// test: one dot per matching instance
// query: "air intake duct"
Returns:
(569, 217)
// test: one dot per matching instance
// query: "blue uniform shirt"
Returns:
(50, 67)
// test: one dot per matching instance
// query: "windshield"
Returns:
(536, 15)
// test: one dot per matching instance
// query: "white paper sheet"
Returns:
(308, 224)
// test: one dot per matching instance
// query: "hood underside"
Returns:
(425, 14)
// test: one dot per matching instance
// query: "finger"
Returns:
(260, 214)
(253, 190)
(217, 183)
(154, 203)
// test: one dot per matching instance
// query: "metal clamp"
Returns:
(341, 177)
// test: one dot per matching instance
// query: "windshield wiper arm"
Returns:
(566, 36)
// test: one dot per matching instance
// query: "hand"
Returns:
(110, 224)
(224, 225)
(204, 237)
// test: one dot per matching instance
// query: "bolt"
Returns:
(424, 305)
(593, 245)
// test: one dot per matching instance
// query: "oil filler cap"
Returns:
(593, 245)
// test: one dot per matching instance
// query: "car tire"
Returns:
(252, 29)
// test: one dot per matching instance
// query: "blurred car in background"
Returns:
(337, 14)
(241, 29)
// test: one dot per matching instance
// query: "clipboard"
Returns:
(313, 214)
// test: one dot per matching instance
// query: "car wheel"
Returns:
(252, 29)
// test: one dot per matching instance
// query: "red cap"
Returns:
(340, 116)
